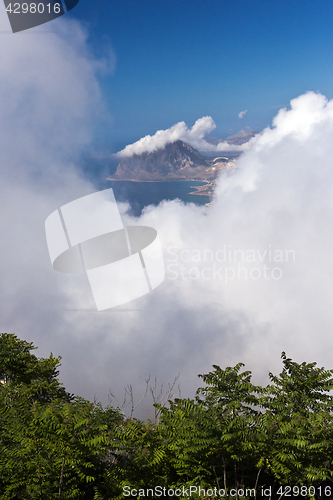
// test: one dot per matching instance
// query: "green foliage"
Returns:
(214, 438)
(231, 400)
(298, 423)
(142, 456)
(233, 434)
(22, 370)
(53, 446)
(190, 440)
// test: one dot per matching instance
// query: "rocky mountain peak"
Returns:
(177, 161)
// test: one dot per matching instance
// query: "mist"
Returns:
(194, 136)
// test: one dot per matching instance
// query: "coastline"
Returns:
(158, 180)
(205, 190)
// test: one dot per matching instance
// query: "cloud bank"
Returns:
(259, 260)
(248, 277)
(50, 102)
(242, 114)
(194, 136)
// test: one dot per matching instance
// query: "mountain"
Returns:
(237, 139)
(176, 162)
(241, 137)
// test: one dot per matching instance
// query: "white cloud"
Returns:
(194, 136)
(49, 103)
(242, 114)
(272, 219)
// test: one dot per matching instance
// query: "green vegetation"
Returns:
(233, 436)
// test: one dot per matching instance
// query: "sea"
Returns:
(142, 194)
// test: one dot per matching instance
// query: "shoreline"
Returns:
(159, 180)
(198, 190)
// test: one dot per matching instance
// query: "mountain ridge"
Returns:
(237, 139)
(176, 162)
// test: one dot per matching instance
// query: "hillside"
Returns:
(176, 162)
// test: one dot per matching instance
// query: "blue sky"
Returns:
(181, 60)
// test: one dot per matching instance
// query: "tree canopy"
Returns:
(234, 439)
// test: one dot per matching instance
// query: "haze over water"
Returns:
(142, 194)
